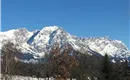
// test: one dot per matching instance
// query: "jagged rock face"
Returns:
(22, 35)
(19, 36)
(39, 42)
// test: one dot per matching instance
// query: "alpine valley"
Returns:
(36, 44)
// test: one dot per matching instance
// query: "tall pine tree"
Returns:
(106, 68)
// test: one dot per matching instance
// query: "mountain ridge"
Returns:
(39, 42)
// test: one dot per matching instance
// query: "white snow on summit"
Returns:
(39, 42)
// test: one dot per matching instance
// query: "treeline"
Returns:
(64, 64)
(87, 67)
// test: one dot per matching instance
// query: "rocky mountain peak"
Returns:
(39, 42)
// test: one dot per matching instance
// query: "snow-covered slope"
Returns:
(39, 42)
(17, 36)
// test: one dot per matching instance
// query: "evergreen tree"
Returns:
(125, 68)
(106, 68)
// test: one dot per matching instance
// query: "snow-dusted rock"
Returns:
(39, 42)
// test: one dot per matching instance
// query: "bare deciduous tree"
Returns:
(9, 54)
(63, 62)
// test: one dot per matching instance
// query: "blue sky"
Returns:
(83, 18)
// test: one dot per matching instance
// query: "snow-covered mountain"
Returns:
(39, 42)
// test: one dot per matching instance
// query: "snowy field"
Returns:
(29, 78)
